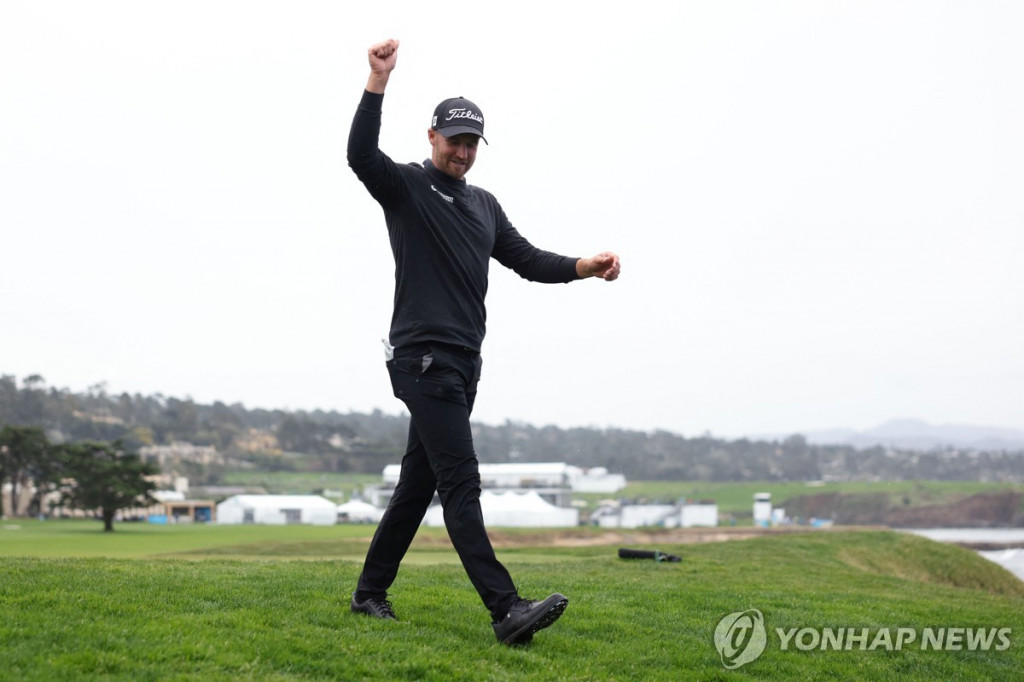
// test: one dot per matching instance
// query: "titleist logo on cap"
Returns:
(464, 113)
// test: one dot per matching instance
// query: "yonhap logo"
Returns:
(740, 638)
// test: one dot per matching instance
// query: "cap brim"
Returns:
(451, 131)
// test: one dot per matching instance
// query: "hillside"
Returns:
(280, 440)
(916, 434)
(262, 604)
(982, 510)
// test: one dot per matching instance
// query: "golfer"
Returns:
(443, 234)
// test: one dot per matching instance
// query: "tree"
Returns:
(105, 478)
(24, 456)
(219, 425)
(180, 420)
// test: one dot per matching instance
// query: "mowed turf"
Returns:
(114, 608)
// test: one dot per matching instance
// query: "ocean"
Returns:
(1011, 559)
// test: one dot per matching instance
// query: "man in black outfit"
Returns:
(443, 234)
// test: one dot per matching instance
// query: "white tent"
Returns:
(277, 510)
(508, 475)
(638, 515)
(667, 515)
(357, 511)
(513, 509)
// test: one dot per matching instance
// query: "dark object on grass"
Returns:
(646, 554)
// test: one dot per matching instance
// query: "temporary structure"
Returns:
(664, 515)
(357, 511)
(513, 509)
(522, 475)
(277, 510)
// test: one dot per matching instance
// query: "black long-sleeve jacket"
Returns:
(443, 233)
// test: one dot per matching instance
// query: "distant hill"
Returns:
(311, 441)
(915, 434)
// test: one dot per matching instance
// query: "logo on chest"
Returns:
(450, 200)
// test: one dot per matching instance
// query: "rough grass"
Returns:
(277, 618)
(737, 497)
(300, 482)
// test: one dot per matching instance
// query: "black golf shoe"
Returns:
(377, 608)
(526, 617)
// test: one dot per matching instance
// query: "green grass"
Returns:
(85, 538)
(300, 482)
(80, 604)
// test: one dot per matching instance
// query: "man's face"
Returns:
(454, 155)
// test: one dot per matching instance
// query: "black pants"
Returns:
(437, 383)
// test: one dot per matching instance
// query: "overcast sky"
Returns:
(819, 205)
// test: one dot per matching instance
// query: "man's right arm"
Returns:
(373, 168)
(382, 57)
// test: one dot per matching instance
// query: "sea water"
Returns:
(1011, 559)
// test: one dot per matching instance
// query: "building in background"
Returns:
(277, 510)
(553, 482)
(682, 515)
(511, 509)
(357, 511)
(762, 509)
(169, 456)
